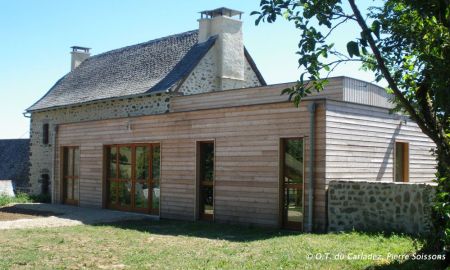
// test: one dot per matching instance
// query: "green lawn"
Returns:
(189, 245)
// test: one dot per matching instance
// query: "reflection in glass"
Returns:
(125, 162)
(112, 192)
(207, 200)
(70, 162)
(207, 161)
(156, 159)
(76, 161)
(141, 195)
(75, 189)
(142, 162)
(293, 161)
(112, 161)
(293, 204)
(69, 188)
(155, 196)
(125, 193)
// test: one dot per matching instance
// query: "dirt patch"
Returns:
(15, 213)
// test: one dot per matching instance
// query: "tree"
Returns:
(405, 42)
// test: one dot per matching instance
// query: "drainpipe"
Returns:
(55, 130)
(312, 126)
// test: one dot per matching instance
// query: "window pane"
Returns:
(293, 161)
(112, 154)
(125, 193)
(207, 162)
(141, 195)
(112, 192)
(76, 162)
(156, 163)
(155, 196)
(69, 188)
(75, 189)
(65, 161)
(142, 162)
(70, 162)
(207, 200)
(293, 204)
(125, 162)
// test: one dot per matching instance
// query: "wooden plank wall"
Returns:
(247, 155)
(360, 144)
(250, 96)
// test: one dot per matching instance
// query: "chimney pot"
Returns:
(79, 54)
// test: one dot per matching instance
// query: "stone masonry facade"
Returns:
(380, 206)
(204, 77)
(41, 154)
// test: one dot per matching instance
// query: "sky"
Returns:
(36, 37)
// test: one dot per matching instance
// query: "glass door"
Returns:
(292, 183)
(205, 179)
(133, 175)
(70, 170)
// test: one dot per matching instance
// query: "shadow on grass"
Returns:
(202, 229)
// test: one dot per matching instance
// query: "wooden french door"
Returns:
(70, 179)
(291, 183)
(133, 176)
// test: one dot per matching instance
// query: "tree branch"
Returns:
(387, 75)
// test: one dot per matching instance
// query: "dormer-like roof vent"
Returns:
(223, 11)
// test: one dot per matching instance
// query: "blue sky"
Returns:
(36, 36)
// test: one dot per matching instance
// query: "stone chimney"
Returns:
(229, 45)
(79, 54)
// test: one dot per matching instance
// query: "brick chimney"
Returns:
(221, 22)
(79, 54)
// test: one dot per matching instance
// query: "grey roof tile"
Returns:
(14, 161)
(126, 71)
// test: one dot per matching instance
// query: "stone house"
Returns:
(185, 127)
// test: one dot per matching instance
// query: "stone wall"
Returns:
(204, 78)
(41, 154)
(380, 206)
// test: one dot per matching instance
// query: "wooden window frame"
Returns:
(405, 161)
(73, 176)
(281, 184)
(149, 181)
(199, 183)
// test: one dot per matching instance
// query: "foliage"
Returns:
(405, 42)
(20, 198)
(197, 245)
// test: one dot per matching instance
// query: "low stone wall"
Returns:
(380, 206)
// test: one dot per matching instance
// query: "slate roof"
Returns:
(150, 67)
(14, 161)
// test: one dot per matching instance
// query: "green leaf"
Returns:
(376, 26)
(352, 48)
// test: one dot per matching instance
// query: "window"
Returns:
(70, 186)
(45, 134)
(205, 179)
(291, 183)
(133, 177)
(401, 161)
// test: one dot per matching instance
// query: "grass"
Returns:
(20, 198)
(189, 245)
(23, 198)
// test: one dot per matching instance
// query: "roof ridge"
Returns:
(145, 43)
